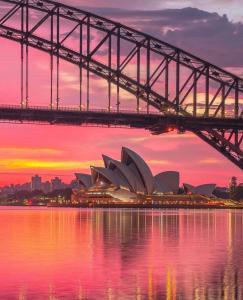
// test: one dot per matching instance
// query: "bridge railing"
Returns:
(123, 111)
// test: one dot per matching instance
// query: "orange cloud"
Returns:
(158, 162)
(209, 161)
(25, 150)
(23, 164)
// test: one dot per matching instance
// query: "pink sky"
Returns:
(60, 150)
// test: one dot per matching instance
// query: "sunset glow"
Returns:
(31, 149)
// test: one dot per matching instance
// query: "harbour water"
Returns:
(61, 253)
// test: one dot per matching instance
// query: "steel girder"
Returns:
(152, 83)
(156, 123)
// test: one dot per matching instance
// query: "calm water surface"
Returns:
(120, 254)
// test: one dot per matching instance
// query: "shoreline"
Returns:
(131, 206)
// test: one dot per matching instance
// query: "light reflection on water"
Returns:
(120, 254)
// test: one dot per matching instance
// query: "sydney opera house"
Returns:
(131, 178)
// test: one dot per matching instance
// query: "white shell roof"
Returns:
(106, 173)
(188, 187)
(167, 182)
(84, 179)
(204, 189)
(106, 160)
(126, 172)
(130, 157)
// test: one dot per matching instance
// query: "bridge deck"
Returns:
(155, 122)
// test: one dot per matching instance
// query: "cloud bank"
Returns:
(205, 34)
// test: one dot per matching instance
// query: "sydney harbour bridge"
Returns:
(166, 88)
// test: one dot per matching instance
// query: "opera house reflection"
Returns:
(121, 254)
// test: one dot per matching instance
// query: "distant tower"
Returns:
(57, 184)
(46, 186)
(36, 183)
(233, 185)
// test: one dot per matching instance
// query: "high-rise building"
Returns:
(26, 187)
(36, 183)
(233, 185)
(57, 184)
(46, 187)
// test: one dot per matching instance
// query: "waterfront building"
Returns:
(57, 184)
(36, 183)
(233, 185)
(204, 189)
(131, 174)
(46, 187)
(167, 182)
(131, 178)
(74, 184)
(26, 187)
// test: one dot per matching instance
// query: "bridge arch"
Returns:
(146, 87)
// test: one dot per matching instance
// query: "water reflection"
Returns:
(120, 254)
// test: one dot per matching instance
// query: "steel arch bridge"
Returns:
(171, 87)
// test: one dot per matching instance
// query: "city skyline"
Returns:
(73, 177)
(38, 183)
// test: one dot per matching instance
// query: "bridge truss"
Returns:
(171, 87)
